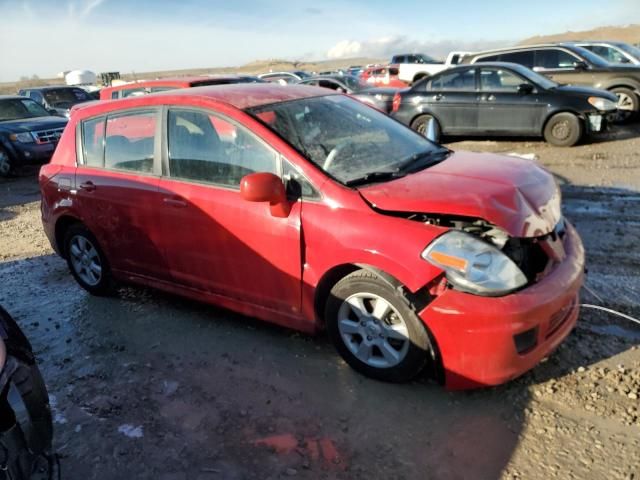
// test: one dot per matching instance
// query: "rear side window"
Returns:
(115, 95)
(129, 142)
(499, 80)
(93, 141)
(460, 80)
(522, 58)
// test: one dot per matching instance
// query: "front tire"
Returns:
(6, 163)
(87, 262)
(628, 103)
(563, 130)
(375, 329)
(421, 125)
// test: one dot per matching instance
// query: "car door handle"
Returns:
(438, 97)
(175, 202)
(87, 186)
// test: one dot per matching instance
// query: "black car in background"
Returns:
(28, 133)
(57, 99)
(503, 99)
(571, 64)
(379, 97)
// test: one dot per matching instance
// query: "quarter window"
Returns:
(129, 142)
(460, 80)
(207, 148)
(496, 79)
(93, 141)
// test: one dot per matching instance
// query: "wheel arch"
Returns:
(62, 225)
(552, 114)
(420, 113)
(417, 300)
(337, 273)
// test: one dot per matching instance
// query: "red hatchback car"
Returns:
(317, 211)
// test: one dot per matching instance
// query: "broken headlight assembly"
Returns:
(474, 266)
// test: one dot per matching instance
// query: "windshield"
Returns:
(65, 97)
(17, 108)
(343, 137)
(630, 49)
(591, 57)
(353, 82)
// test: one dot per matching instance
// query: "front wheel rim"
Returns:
(85, 260)
(373, 330)
(625, 102)
(561, 130)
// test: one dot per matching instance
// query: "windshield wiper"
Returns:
(421, 160)
(373, 177)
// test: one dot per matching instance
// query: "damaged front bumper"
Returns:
(598, 122)
(485, 341)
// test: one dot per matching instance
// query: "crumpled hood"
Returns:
(33, 124)
(512, 193)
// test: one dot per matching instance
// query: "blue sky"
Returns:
(44, 37)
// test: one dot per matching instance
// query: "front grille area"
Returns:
(48, 136)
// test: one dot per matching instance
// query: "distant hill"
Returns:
(253, 68)
(629, 34)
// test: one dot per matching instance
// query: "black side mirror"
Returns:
(525, 88)
(580, 65)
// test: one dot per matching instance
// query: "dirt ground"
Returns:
(150, 386)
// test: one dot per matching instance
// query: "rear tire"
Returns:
(563, 130)
(6, 163)
(87, 262)
(421, 125)
(628, 104)
(375, 329)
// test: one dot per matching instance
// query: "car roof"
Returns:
(13, 97)
(51, 87)
(176, 81)
(524, 47)
(249, 95)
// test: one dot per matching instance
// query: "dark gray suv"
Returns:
(570, 64)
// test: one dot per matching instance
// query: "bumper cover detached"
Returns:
(486, 341)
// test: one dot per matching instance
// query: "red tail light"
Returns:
(396, 102)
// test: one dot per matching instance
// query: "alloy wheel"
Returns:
(625, 102)
(85, 260)
(373, 330)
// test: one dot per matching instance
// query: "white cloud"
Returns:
(387, 46)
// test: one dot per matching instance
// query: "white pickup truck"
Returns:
(414, 66)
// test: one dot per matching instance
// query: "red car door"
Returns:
(117, 189)
(214, 240)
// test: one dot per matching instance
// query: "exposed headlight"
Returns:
(602, 103)
(22, 137)
(474, 266)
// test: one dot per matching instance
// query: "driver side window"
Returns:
(207, 148)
